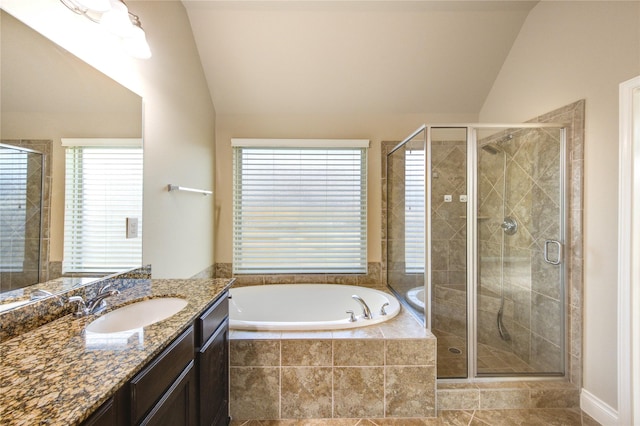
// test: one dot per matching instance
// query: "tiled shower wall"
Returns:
(447, 296)
(449, 233)
(573, 115)
(449, 237)
(37, 242)
(529, 194)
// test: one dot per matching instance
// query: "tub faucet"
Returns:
(366, 312)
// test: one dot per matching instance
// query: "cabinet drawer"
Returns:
(209, 322)
(104, 416)
(149, 385)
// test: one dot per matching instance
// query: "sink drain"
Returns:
(455, 351)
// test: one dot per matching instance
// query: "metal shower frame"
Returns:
(472, 239)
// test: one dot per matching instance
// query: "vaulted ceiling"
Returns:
(341, 57)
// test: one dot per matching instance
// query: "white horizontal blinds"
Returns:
(103, 187)
(13, 208)
(414, 211)
(300, 210)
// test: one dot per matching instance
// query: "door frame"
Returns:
(628, 247)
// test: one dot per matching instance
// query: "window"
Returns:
(300, 206)
(414, 211)
(103, 187)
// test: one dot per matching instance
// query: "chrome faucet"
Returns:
(40, 294)
(95, 305)
(366, 312)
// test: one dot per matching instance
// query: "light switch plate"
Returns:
(132, 227)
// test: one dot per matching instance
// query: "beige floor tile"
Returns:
(531, 417)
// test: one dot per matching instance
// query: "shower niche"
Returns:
(475, 245)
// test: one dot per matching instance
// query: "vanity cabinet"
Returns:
(187, 384)
(106, 415)
(213, 364)
(166, 385)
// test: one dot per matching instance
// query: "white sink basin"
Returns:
(7, 306)
(137, 315)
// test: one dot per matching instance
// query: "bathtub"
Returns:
(415, 297)
(306, 307)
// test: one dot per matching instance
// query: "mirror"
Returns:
(47, 94)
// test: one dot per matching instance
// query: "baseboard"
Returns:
(598, 409)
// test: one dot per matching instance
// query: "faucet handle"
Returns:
(352, 316)
(82, 306)
(103, 289)
(382, 310)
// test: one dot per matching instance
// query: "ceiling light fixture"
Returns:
(117, 19)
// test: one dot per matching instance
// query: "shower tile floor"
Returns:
(537, 416)
(452, 360)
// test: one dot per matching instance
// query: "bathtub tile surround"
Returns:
(358, 392)
(371, 279)
(306, 392)
(324, 376)
(385, 370)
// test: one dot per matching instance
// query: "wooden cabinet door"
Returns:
(177, 407)
(213, 360)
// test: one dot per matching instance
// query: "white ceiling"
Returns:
(342, 57)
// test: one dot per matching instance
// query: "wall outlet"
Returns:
(463, 198)
(132, 227)
(448, 198)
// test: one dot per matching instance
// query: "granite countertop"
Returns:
(59, 373)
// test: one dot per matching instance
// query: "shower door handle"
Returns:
(547, 243)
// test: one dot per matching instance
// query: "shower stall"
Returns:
(475, 237)
(21, 209)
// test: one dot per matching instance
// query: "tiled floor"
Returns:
(452, 361)
(531, 417)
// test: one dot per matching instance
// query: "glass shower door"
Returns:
(520, 236)
(406, 244)
(448, 256)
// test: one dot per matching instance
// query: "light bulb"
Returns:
(99, 6)
(117, 20)
(136, 45)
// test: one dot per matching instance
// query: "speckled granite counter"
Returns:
(59, 373)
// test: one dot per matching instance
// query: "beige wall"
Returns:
(83, 104)
(179, 122)
(376, 128)
(568, 51)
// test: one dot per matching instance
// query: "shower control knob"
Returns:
(509, 225)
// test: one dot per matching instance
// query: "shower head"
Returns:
(496, 147)
(507, 138)
(490, 149)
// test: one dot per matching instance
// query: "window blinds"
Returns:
(299, 210)
(103, 187)
(414, 211)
